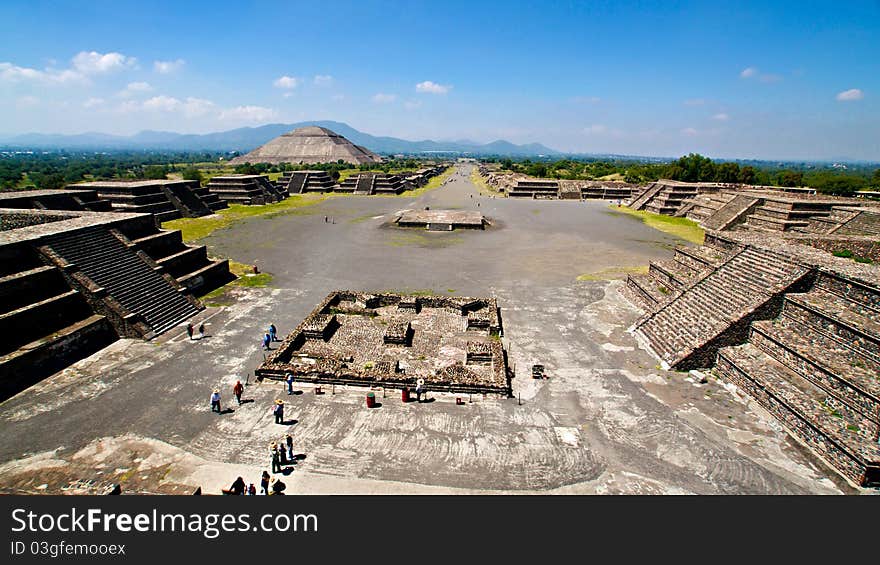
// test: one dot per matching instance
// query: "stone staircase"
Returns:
(188, 264)
(733, 212)
(365, 184)
(704, 205)
(646, 195)
(45, 324)
(715, 310)
(125, 275)
(665, 279)
(815, 367)
(186, 200)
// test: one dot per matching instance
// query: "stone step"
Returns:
(40, 318)
(843, 439)
(838, 317)
(818, 358)
(29, 286)
(123, 274)
(53, 351)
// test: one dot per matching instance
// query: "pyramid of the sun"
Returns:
(311, 144)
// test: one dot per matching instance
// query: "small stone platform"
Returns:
(357, 338)
(442, 220)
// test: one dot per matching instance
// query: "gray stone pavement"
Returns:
(607, 420)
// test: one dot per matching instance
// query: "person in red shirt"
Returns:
(237, 390)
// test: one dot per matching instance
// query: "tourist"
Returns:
(282, 454)
(289, 441)
(251, 490)
(215, 400)
(264, 483)
(278, 410)
(237, 390)
(276, 459)
(420, 388)
(326, 219)
(289, 380)
(278, 487)
(237, 488)
(189, 331)
(201, 331)
(266, 341)
(272, 332)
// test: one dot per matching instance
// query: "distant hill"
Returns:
(246, 139)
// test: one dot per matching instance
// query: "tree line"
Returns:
(697, 168)
(57, 169)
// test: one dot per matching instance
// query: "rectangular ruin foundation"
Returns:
(442, 220)
(392, 340)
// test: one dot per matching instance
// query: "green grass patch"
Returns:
(246, 279)
(194, 229)
(613, 273)
(847, 254)
(435, 182)
(481, 183)
(684, 228)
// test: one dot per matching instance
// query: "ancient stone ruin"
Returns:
(792, 326)
(392, 340)
(309, 145)
(298, 182)
(245, 189)
(71, 282)
(441, 220)
(168, 199)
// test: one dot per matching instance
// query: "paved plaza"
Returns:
(606, 419)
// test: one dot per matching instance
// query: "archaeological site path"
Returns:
(607, 420)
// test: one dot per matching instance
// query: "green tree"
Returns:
(155, 172)
(790, 178)
(192, 173)
(875, 178)
(727, 172)
(748, 175)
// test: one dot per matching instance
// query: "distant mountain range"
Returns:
(246, 139)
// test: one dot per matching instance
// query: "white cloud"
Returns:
(752, 72)
(167, 67)
(195, 107)
(690, 132)
(14, 73)
(92, 62)
(93, 103)
(248, 114)
(323, 80)
(412, 104)
(850, 95)
(381, 98)
(27, 102)
(162, 103)
(595, 129)
(721, 117)
(134, 88)
(432, 87)
(286, 82)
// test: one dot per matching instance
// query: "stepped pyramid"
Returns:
(311, 144)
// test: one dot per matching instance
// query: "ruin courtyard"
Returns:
(607, 419)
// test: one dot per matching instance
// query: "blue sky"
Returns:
(774, 80)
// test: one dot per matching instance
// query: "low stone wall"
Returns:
(859, 246)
